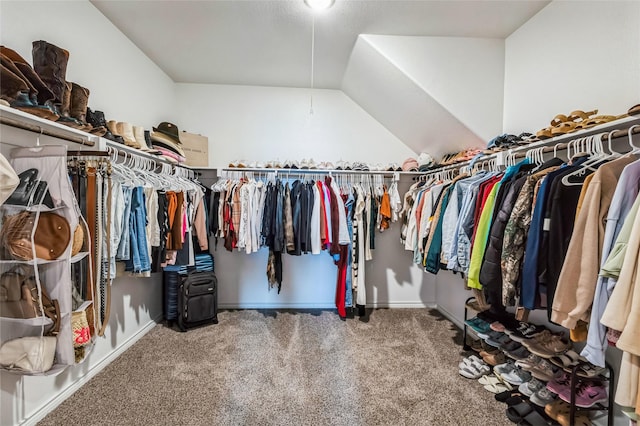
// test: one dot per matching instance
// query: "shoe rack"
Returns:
(609, 377)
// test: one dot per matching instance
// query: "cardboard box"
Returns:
(196, 149)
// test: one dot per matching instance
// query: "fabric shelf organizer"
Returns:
(557, 235)
(54, 218)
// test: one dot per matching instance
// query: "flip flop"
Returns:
(567, 360)
(634, 110)
(496, 387)
(489, 380)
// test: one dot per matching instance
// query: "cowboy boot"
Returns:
(79, 101)
(45, 96)
(50, 63)
(64, 109)
(18, 92)
(12, 86)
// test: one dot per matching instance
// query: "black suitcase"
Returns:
(172, 277)
(198, 300)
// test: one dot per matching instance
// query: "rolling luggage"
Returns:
(172, 277)
(197, 300)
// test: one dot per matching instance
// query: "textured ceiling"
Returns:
(268, 43)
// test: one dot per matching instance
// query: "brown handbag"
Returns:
(19, 298)
(50, 240)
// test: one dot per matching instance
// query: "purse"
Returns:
(50, 240)
(22, 194)
(28, 354)
(80, 327)
(19, 298)
(30, 190)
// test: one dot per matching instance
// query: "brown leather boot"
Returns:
(50, 63)
(45, 96)
(24, 99)
(65, 109)
(79, 102)
(11, 86)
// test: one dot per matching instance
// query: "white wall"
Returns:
(267, 123)
(129, 87)
(124, 83)
(465, 75)
(572, 55)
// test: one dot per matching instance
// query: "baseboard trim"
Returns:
(399, 305)
(449, 316)
(104, 362)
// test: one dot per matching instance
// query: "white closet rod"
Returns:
(284, 171)
(560, 141)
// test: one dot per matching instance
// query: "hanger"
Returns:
(634, 149)
(592, 145)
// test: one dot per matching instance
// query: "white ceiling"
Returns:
(268, 43)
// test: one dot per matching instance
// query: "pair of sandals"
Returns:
(571, 359)
(525, 413)
(494, 384)
(473, 368)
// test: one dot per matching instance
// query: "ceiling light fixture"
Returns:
(319, 4)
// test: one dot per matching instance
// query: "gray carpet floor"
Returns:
(289, 368)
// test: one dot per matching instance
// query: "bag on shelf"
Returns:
(51, 237)
(28, 354)
(19, 298)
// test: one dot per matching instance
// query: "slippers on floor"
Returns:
(516, 413)
(489, 379)
(473, 370)
(507, 395)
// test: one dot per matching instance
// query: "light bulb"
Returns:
(319, 4)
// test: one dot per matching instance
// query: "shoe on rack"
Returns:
(518, 352)
(552, 346)
(512, 346)
(493, 358)
(497, 326)
(529, 362)
(78, 105)
(543, 397)
(516, 376)
(544, 371)
(588, 394)
(494, 338)
(502, 369)
(559, 384)
(531, 387)
(525, 331)
(560, 411)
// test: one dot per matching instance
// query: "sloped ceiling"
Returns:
(436, 94)
(268, 42)
(422, 87)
